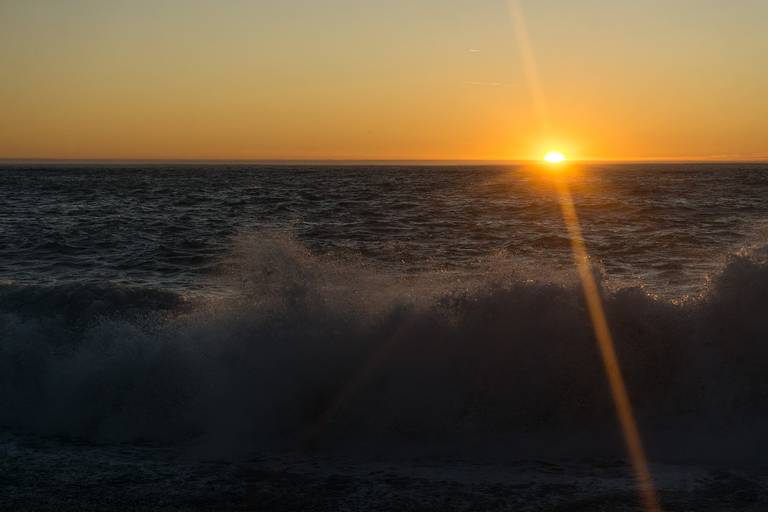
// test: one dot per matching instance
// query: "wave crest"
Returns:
(316, 352)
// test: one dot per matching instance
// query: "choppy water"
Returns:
(377, 311)
(666, 227)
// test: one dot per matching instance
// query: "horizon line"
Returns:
(383, 162)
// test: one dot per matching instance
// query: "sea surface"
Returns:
(294, 337)
(666, 228)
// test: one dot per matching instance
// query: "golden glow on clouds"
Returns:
(344, 79)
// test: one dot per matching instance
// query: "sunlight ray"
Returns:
(605, 343)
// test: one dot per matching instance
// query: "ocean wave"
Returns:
(309, 352)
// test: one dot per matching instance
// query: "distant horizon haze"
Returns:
(362, 162)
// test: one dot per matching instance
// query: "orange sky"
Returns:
(381, 79)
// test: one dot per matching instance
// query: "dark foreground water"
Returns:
(375, 338)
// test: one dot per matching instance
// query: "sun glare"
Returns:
(554, 157)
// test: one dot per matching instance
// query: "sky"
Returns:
(383, 79)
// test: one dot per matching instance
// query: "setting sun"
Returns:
(554, 157)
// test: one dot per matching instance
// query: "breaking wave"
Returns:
(312, 353)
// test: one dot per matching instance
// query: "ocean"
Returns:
(215, 337)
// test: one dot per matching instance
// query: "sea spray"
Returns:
(309, 352)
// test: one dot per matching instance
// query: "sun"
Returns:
(554, 157)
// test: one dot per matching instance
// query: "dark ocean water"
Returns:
(665, 227)
(240, 311)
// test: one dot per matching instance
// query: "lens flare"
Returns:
(623, 405)
(618, 387)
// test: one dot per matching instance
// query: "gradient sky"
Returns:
(381, 79)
